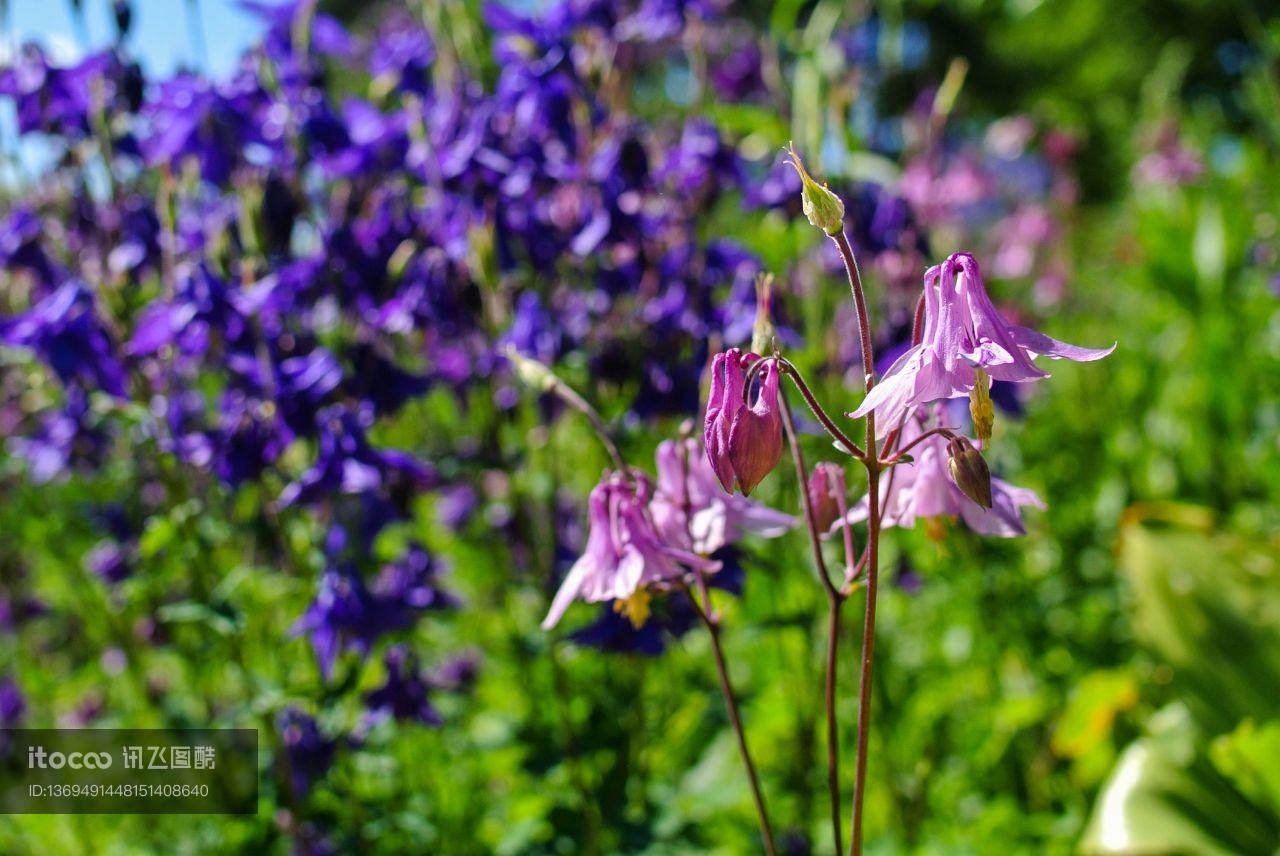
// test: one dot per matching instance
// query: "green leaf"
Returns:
(1250, 758)
(1165, 798)
(1207, 604)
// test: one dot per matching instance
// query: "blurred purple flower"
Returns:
(404, 696)
(691, 512)
(109, 561)
(348, 615)
(12, 704)
(308, 754)
(64, 330)
(346, 463)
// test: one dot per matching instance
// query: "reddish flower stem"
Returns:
(873, 466)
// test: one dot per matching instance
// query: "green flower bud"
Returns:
(531, 372)
(822, 207)
(969, 471)
(980, 408)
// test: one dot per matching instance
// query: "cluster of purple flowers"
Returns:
(254, 275)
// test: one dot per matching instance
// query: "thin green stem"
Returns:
(821, 415)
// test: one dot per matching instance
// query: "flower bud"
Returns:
(980, 407)
(822, 207)
(743, 441)
(824, 482)
(969, 471)
(531, 372)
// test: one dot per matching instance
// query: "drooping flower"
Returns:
(743, 440)
(963, 332)
(691, 512)
(624, 551)
(925, 488)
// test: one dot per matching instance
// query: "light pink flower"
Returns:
(925, 488)
(691, 512)
(963, 331)
(624, 551)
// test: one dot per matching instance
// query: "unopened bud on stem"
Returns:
(969, 471)
(822, 207)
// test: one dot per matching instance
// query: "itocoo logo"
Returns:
(38, 757)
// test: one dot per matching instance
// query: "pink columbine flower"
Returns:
(963, 331)
(925, 488)
(691, 512)
(624, 551)
(743, 440)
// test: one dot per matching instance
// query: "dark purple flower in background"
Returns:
(347, 463)
(109, 561)
(308, 753)
(408, 586)
(63, 439)
(66, 333)
(192, 119)
(200, 310)
(13, 706)
(21, 250)
(348, 615)
(404, 696)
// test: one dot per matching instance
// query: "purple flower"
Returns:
(624, 551)
(12, 705)
(925, 488)
(404, 694)
(346, 463)
(963, 332)
(407, 587)
(308, 754)
(65, 331)
(20, 247)
(346, 614)
(108, 561)
(743, 440)
(192, 119)
(691, 512)
(65, 437)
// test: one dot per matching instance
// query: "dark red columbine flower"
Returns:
(743, 439)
